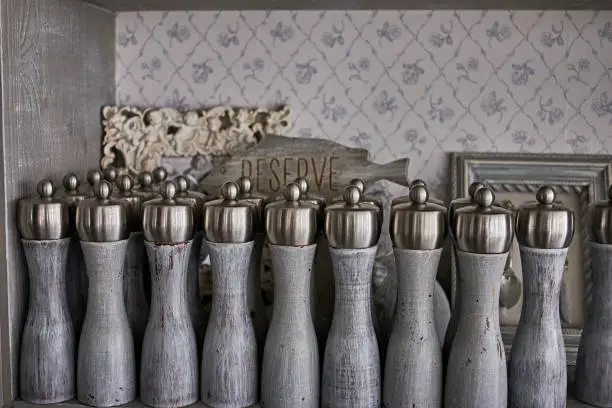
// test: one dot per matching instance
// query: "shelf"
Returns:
(153, 5)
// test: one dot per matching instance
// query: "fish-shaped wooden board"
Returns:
(328, 166)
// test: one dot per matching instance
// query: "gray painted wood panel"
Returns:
(57, 72)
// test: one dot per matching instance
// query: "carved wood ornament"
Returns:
(137, 139)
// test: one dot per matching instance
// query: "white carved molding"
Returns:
(136, 139)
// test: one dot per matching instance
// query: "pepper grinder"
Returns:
(451, 329)
(537, 374)
(194, 302)
(413, 369)
(47, 359)
(134, 295)
(351, 365)
(254, 297)
(93, 178)
(476, 375)
(169, 367)
(76, 275)
(290, 373)
(145, 185)
(159, 177)
(594, 361)
(229, 356)
(106, 369)
(110, 174)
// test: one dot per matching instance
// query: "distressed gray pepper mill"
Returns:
(134, 295)
(594, 361)
(351, 366)
(47, 362)
(451, 329)
(230, 374)
(169, 367)
(76, 275)
(194, 302)
(537, 375)
(254, 297)
(106, 369)
(413, 368)
(476, 376)
(291, 372)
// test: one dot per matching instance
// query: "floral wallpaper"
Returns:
(415, 84)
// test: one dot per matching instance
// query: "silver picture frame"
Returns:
(579, 179)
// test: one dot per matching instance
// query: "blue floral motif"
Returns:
(498, 32)
(438, 39)
(466, 69)
(389, 32)
(491, 105)
(331, 110)
(361, 139)
(278, 99)
(602, 106)
(229, 37)
(412, 137)
(437, 110)
(257, 65)
(356, 68)
(412, 72)
(179, 33)
(468, 141)
(127, 37)
(522, 139)
(201, 71)
(549, 113)
(522, 73)
(553, 37)
(335, 37)
(177, 101)
(605, 33)
(151, 68)
(583, 65)
(304, 72)
(578, 143)
(281, 32)
(385, 104)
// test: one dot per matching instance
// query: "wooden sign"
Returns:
(328, 166)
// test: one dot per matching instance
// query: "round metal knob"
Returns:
(484, 197)
(419, 194)
(168, 190)
(475, 186)
(71, 182)
(229, 191)
(546, 195)
(182, 185)
(45, 189)
(103, 190)
(110, 174)
(159, 174)
(417, 182)
(359, 183)
(93, 177)
(125, 183)
(145, 179)
(292, 192)
(43, 217)
(245, 185)
(352, 195)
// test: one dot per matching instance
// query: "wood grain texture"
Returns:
(476, 375)
(291, 369)
(594, 361)
(47, 364)
(169, 367)
(351, 375)
(135, 299)
(106, 367)
(537, 375)
(230, 373)
(194, 301)
(413, 368)
(132, 5)
(58, 61)
(257, 308)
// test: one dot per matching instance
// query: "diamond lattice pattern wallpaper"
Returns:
(415, 84)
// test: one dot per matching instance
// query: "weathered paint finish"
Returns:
(106, 369)
(135, 299)
(194, 301)
(476, 376)
(47, 364)
(451, 329)
(413, 368)
(351, 366)
(169, 367)
(323, 280)
(257, 308)
(291, 370)
(537, 375)
(594, 362)
(230, 374)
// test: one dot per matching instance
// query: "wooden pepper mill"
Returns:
(413, 369)
(169, 367)
(106, 369)
(230, 374)
(476, 375)
(351, 366)
(537, 375)
(290, 373)
(594, 361)
(47, 362)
